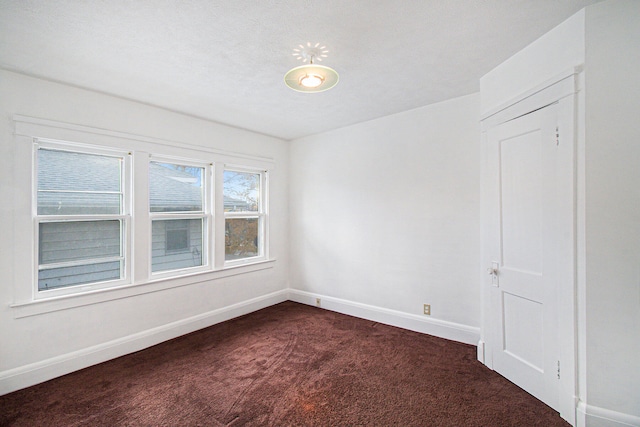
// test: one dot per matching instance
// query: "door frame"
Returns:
(562, 90)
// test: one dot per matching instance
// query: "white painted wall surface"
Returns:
(38, 347)
(558, 50)
(612, 165)
(385, 214)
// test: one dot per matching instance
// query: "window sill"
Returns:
(42, 306)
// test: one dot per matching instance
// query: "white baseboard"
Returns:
(593, 416)
(28, 375)
(440, 328)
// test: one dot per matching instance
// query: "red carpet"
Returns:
(286, 365)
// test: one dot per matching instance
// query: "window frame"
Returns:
(206, 215)
(124, 217)
(262, 215)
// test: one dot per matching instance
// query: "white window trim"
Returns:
(124, 216)
(206, 215)
(262, 215)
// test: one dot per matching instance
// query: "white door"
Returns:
(524, 272)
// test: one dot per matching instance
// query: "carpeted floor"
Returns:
(286, 365)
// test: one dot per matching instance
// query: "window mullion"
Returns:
(218, 216)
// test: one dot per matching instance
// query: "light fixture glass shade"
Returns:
(311, 78)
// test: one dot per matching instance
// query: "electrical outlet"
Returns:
(427, 309)
(317, 302)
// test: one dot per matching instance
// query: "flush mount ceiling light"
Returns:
(311, 77)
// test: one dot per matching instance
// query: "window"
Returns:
(81, 216)
(179, 218)
(177, 236)
(83, 219)
(245, 215)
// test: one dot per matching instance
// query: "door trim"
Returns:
(552, 90)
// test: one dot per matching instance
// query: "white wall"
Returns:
(612, 166)
(558, 50)
(74, 332)
(385, 217)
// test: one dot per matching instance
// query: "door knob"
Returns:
(493, 272)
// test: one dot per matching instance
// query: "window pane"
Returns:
(175, 188)
(78, 275)
(77, 183)
(176, 244)
(241, 238)
(79, 240)
(241, 191)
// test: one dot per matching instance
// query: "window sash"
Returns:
(78, 264)
(202, 250)
(109, 269)
(260, 215)
(238, 246)
(185, 257)
(259, 205)
(58, 183)
(176, 189)
(51, 242)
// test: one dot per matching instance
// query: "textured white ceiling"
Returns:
(225, 60)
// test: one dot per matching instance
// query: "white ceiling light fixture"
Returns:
(311, 77)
